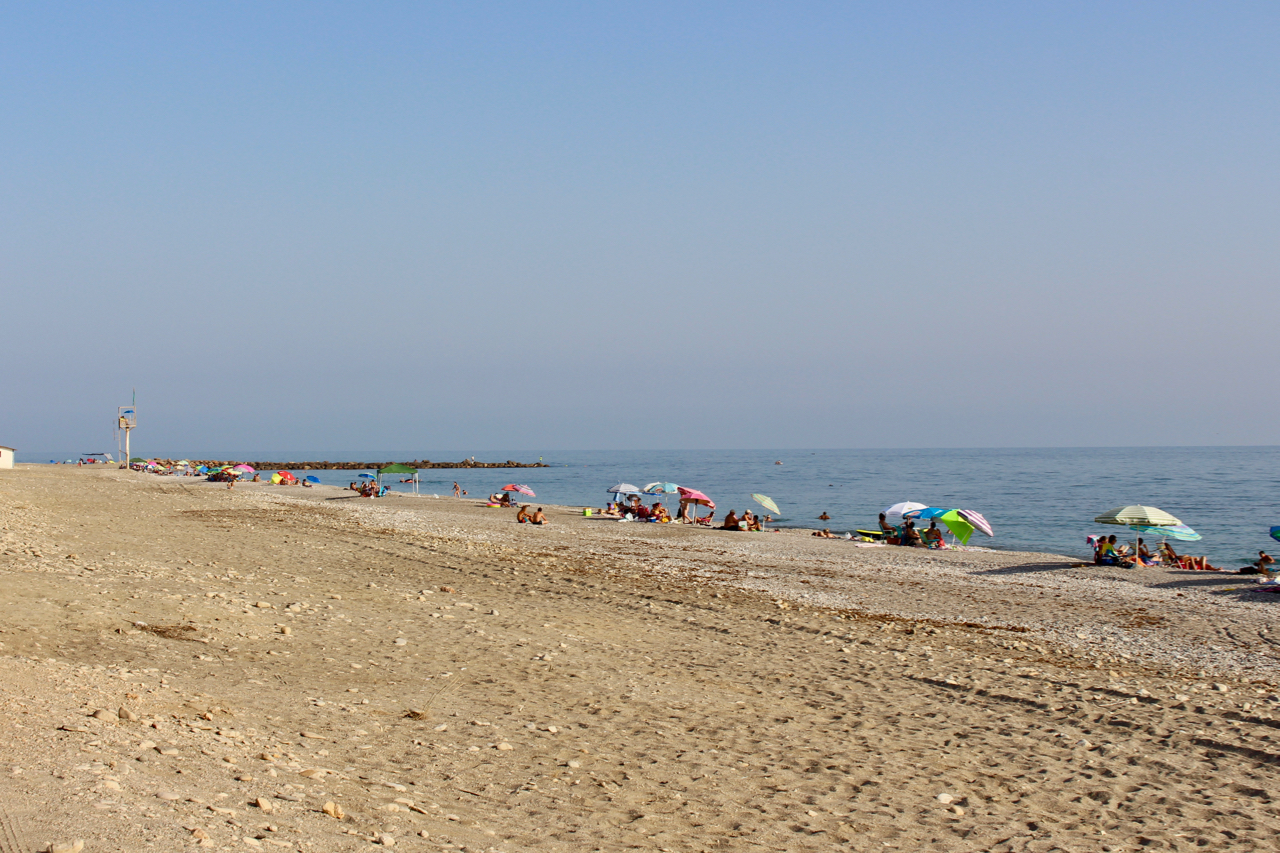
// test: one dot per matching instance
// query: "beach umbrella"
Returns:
(522, 489)
(928, 513)
(245, 468)
(697, 497)
(1138, 516)
(1147, 516)
(661, 489)
(277, 479)
(1180, 532)
(960, 528)
(976, 519)
(312, 478)
(1275, 533)
(904, 507)
(620, 489)
(766, 502)
(367, 477)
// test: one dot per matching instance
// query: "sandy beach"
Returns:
(187, 667)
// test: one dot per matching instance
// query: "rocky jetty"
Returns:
(359, 466)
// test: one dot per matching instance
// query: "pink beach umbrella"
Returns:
(248, 469)
(697, 497)
(976, 519)
(524, 490)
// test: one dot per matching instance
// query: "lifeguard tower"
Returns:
(126, 421)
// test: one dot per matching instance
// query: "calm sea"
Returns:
(1036, 499)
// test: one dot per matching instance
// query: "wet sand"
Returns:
(448, 679)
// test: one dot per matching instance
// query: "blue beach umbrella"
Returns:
(1173, 531)
(366, 477)
(312, 478)
(1275, 533)
(928, 513)
(661, 489)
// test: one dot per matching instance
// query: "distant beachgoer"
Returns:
(257, 478)
(730, 522)
(824, 533)
(707, 519)
(824, 516)
(538, 518)
(885, 527)
(933, 536)
(457, 491)
(523, 515)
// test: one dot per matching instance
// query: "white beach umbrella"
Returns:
(897, 510)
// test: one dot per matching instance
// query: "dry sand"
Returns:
(447, 679)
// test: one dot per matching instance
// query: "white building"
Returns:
(6, 456)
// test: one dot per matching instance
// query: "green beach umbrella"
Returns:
(766, 502)
(961, 528)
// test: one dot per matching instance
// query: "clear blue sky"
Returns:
(542, 225)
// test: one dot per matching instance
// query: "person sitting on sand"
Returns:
(707, 519)
(824, 533)
(1259, 566)
(660, 513)
(1198, 564)
(353, 487)
(523, 515)
(756, 524)
(933, 536)
(731, 522)
(538, 518)
(910, 536)
(885, 527)
(824, 516)
(1105, 553)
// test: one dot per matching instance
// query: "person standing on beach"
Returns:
(457, 492)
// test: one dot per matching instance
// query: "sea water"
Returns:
(1035, 499)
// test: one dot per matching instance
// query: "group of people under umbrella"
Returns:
(898, 525)
(1153, 521)
(628, 504)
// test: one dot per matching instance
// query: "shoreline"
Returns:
(179, 654)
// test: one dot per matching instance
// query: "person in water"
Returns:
(824, 516)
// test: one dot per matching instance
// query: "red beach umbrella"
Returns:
(524, 490)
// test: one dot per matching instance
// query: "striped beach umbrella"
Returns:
(766, 502)
(976, 519)
(1179, 531)
(522, 489)
(1147, 516)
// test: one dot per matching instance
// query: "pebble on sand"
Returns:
(333, 810)
(65, 847)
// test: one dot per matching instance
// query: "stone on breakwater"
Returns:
(264, 467)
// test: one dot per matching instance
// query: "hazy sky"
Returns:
(586, 225)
